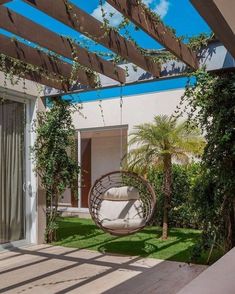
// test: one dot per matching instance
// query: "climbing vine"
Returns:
(210, 102)
(15, 68)
(53, 153)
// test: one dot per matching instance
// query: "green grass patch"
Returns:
(84, 234)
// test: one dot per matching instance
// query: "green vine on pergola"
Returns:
(14, 72)
(162, 56)
(17, 68)
(158, 56)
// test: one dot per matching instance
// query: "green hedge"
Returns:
(183, 212)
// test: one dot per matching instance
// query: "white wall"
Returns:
(66, 199)
(136, 110)
(105, 156)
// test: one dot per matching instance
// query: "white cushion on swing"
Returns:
(112, 210)
(124, 193)
(123, 224)
(121, 214)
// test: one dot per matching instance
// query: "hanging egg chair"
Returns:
(122, 203)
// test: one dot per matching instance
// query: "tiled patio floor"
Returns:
(47, 269)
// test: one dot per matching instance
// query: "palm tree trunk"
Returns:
(167, 191)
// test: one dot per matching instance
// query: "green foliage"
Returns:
(53, 154)
(182, 213)
(158, 144)
(197, 42)
(157, 56)
(213, 96)
(151, 142)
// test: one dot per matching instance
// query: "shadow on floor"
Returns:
(63, 270)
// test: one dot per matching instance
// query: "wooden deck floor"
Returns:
(47, 269)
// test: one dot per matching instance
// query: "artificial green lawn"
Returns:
(83, 234)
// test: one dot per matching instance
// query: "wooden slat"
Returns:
(4, 1)
(145, 20)
(219, 14)
(26, 29)
(33, 56)
(31, 75)
(89, 26)
(85, 171)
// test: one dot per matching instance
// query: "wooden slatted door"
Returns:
(86, 171)
(74, 190)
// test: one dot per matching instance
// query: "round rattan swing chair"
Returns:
(122, 203)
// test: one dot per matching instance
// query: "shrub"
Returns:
(182, 213)
(213, 96)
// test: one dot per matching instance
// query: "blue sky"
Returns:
(178, 14)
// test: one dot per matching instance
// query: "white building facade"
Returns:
(103, 131)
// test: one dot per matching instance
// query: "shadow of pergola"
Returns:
(110, 273)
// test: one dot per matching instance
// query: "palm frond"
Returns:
(150, 142)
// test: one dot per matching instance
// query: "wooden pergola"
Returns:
(59, 68)
(219, 14)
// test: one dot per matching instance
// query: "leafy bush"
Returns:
(183, 212)
(213, 96)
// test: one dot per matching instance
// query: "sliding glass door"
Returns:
(12, 171)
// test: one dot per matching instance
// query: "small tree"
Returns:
(159, 143)
(53, 155)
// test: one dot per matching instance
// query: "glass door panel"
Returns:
(12, 171)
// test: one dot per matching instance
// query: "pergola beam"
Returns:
(35, 57)
(84, 23)
(219, 14)
(4, 1)
(157, 30)
(37, 77)
(33, 32)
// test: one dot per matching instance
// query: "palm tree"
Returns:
(160, 143)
